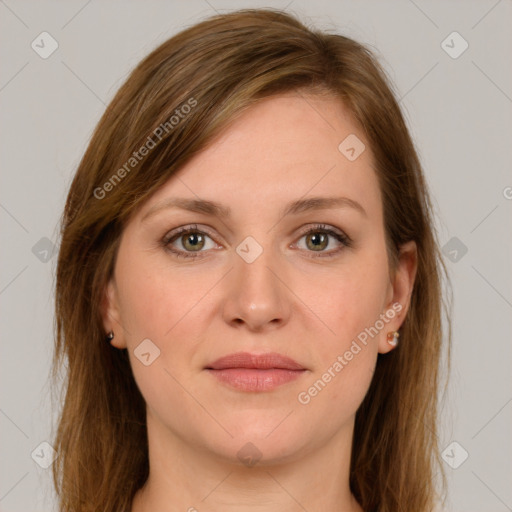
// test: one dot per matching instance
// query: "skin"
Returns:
(290, 300)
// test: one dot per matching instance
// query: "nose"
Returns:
(256, 294)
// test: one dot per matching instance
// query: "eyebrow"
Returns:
(218, 210)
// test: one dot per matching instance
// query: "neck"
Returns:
(191, 478)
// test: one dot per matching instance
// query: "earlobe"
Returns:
(402, 288)
(111, 317)
(392, 338)
(388, 341)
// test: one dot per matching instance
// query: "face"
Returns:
(270, 271)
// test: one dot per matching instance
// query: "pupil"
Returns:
(192, 240)
(317, 239)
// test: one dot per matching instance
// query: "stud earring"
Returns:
(110, 336)
(393, 338)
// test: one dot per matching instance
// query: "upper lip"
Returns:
(255, 361)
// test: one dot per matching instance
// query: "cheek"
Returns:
(153, 306)
(153, 299)
(352, 298)
(351, 306)
(345, 362)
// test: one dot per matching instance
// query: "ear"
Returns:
(401, 287)
(111, 316)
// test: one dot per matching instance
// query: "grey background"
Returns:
(459, 112)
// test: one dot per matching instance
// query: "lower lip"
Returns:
(251, 379)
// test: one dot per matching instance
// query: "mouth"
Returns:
(255, 372)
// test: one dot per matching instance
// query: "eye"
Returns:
(318, 238)
(186, 241)
(189, 241)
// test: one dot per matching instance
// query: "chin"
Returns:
(261, 452)
(267, 441)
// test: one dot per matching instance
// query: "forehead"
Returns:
(282, 148)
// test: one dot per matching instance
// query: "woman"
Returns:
(248, 293)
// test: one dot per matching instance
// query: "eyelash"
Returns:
(185, 230)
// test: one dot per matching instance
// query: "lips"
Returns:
(270, 360)
(255, 372)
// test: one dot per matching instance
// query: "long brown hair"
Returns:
(219, 68)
